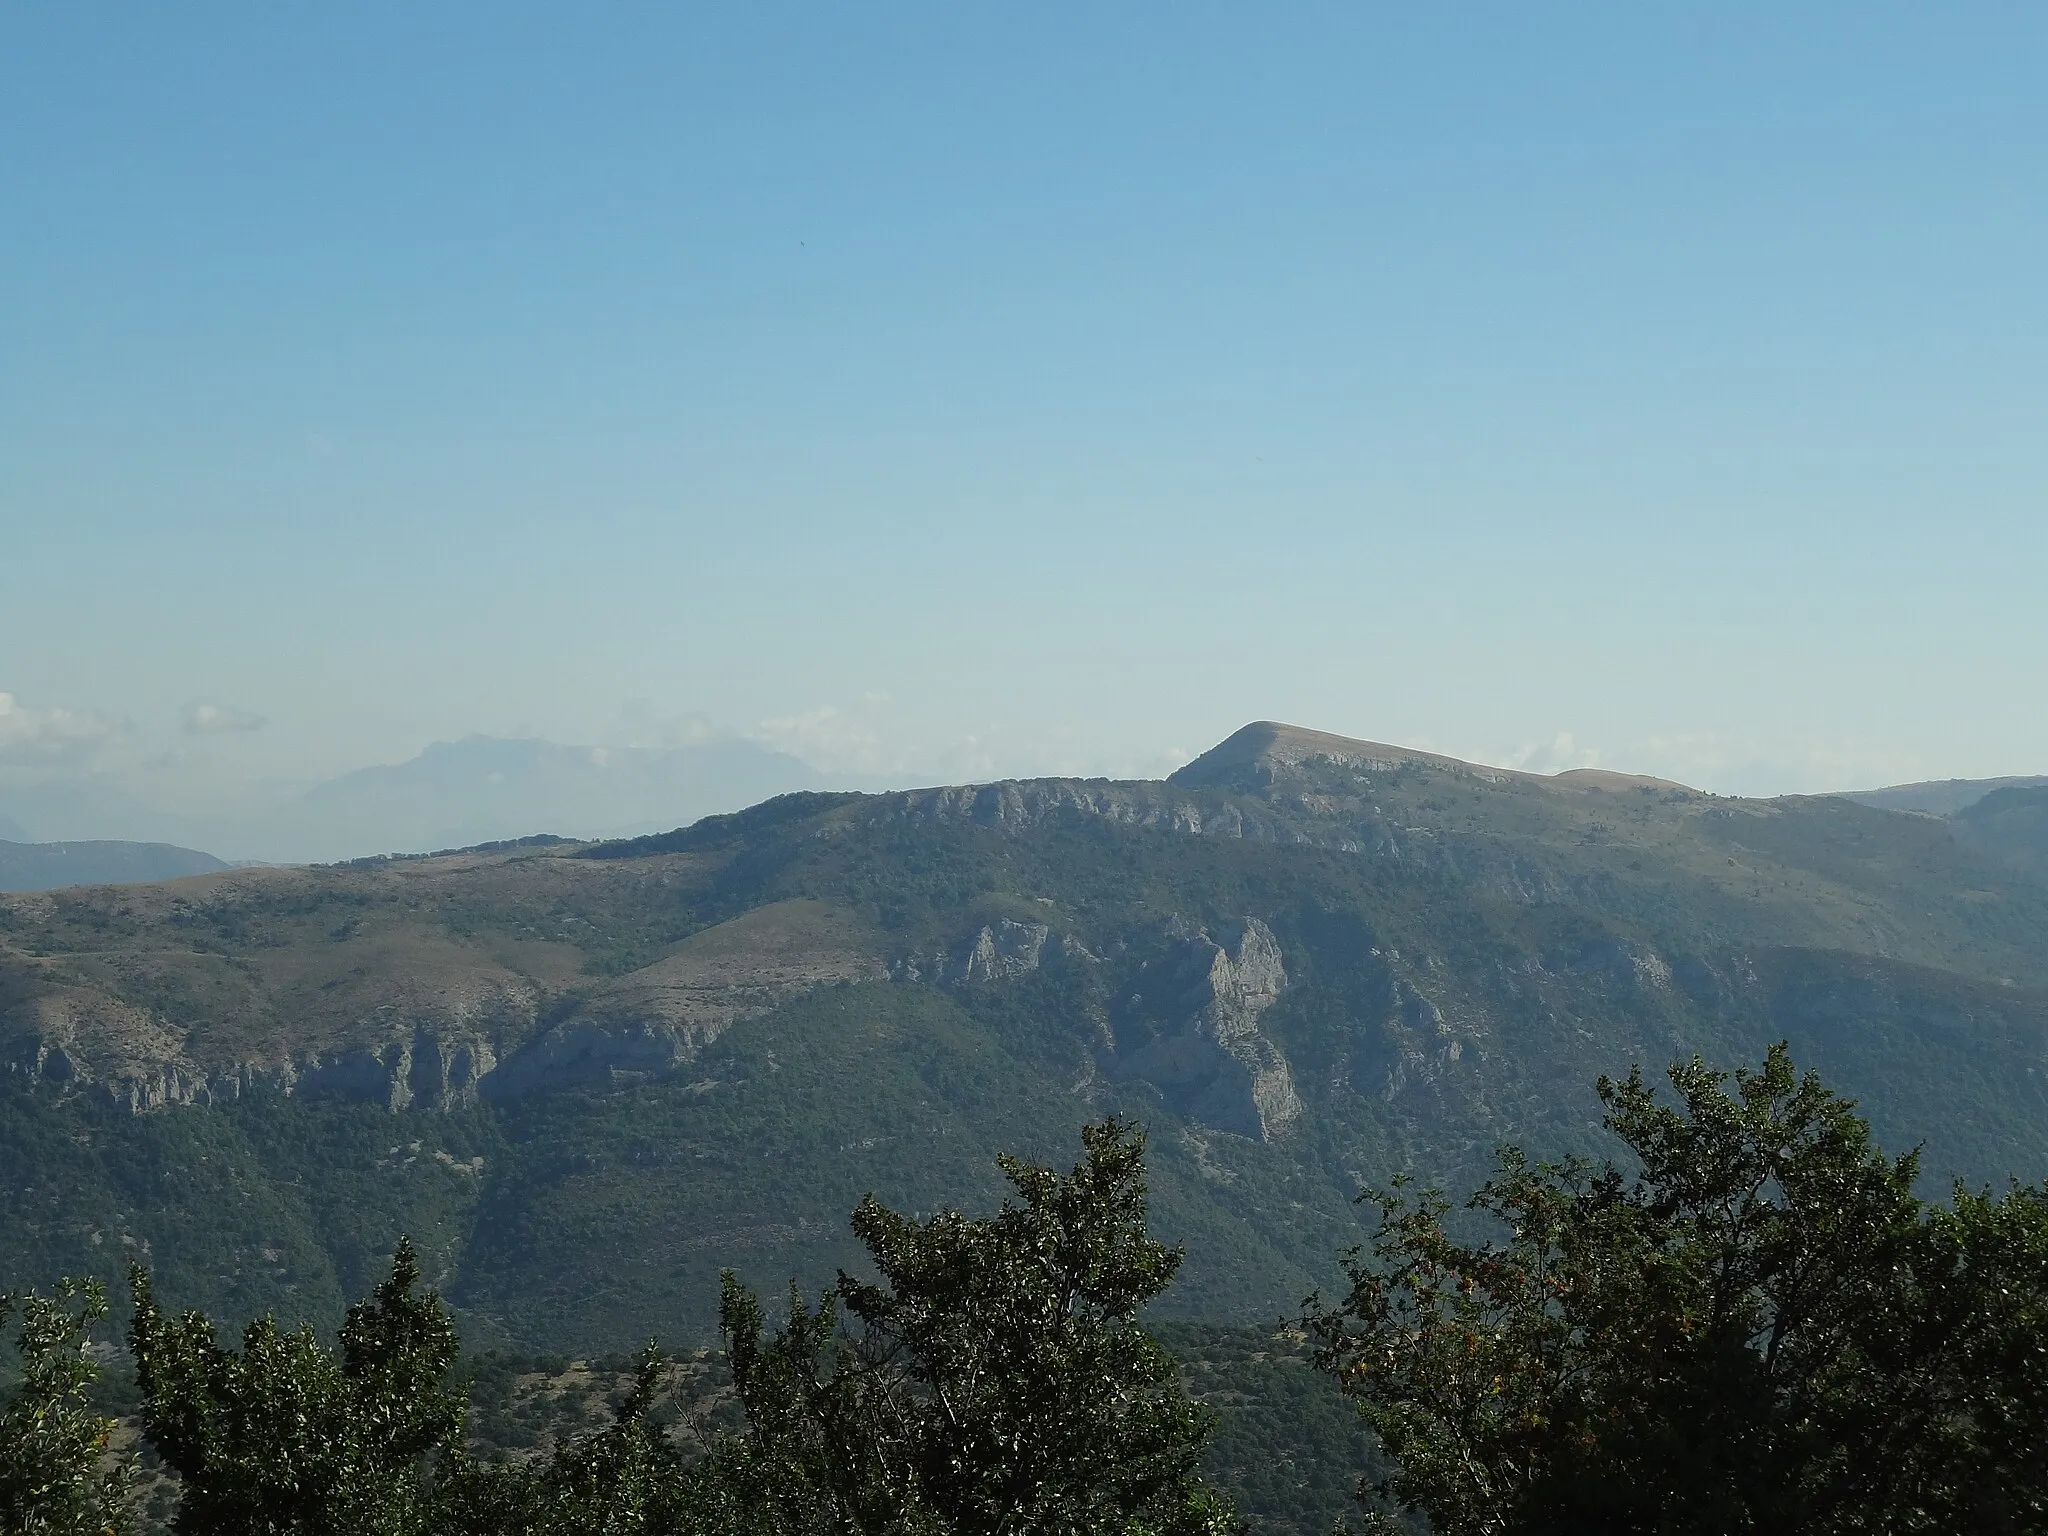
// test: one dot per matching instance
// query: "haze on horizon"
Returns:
(927, 395)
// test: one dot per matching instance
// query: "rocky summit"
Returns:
(587, 1076)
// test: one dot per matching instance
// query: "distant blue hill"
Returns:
(1939, 797)
(482, 789)
(453, 794)
(51, 866)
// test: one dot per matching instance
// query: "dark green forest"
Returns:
(1754, 1322)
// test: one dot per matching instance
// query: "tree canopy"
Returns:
(55, 1476)
(285, 1435)
(1760, 1328)
(1756, 1323)
(992, 1381)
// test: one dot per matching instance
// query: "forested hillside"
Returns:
(586, 1077)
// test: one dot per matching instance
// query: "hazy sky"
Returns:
(956, 390)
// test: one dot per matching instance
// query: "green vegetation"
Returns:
(1462, 955)
(1287, 1450)
(586, 1080)
(1759, 1325)
(993, 1379)
(285, 1435)
(54, 1480)
(1764, 1330)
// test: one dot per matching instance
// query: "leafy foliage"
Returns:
(1764, 1329)
(53, 1476)
(287, 1436)
(997, 1380)
(627, 1478)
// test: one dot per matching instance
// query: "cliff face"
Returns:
(1209, 1058)
(425, 1025)
(415, 1046)
(1201, 1047)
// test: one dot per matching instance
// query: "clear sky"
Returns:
(945, 391)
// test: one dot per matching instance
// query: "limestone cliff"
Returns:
(405, 1021)
(1211, 1061)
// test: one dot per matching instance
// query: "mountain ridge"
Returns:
(1270, 742)
(32, 866)
(1939, 797)
(1326, 964)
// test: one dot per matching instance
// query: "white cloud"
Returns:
(45, 736)
(871, 741)
(1554, 756)
(640, 724)
(210, 717)
(1738, 765)
(830, 739)
(1725, 763)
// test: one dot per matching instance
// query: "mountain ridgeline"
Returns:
(588, 1076)
(52, 866)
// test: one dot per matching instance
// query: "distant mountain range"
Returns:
(453, 794)
(482, 789)
(52, 866)
(1940, 797)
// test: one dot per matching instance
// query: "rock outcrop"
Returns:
(1212, 1063)
(997, 952)
(419, 1053)
(443, 1036)
(1424, 1047)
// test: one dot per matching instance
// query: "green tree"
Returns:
(286, 1436)
(54, 1474)
(995, 1380)
(994, 1383)
(1764, 1329)
(627, 1479)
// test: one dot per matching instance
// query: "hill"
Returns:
(589, 1075)
(2010, 825)
(1939, 797)
(51, 866)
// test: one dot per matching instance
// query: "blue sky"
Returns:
(950, 391)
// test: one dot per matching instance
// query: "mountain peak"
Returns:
(1249, 757)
